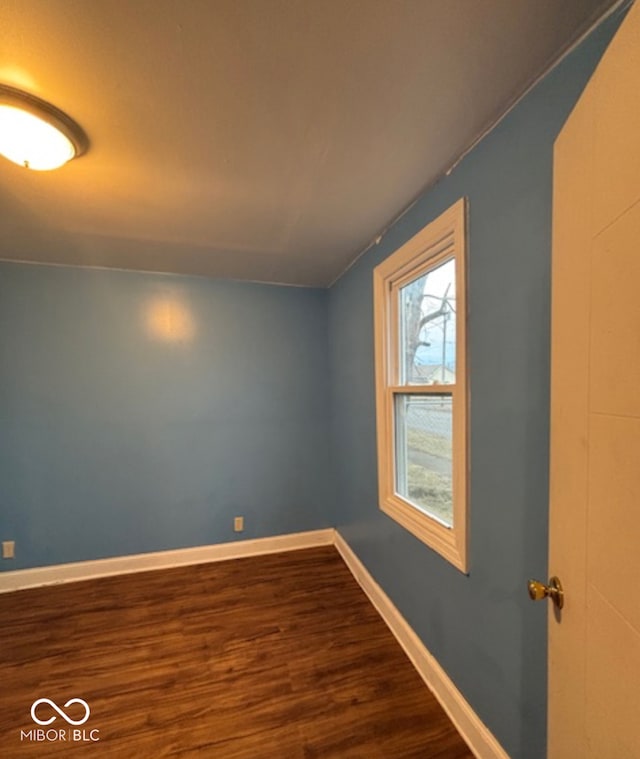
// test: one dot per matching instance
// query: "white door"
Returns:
(594, 642)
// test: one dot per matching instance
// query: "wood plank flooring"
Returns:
(274, 657)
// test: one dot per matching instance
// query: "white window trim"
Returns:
(443, 239)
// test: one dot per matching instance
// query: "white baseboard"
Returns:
(473, 730)
(20, 579)
(477, 735)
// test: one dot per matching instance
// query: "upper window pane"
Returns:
(428, 328)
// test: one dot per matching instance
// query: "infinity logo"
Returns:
(35, 705)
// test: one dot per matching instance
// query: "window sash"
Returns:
(423, 454)
(445, 253)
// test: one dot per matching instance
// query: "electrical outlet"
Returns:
(238, 524)
(8, 549)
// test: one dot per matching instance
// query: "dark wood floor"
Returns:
(277, 657)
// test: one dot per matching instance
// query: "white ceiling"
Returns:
(269, 140)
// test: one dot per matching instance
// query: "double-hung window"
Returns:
(421, 388)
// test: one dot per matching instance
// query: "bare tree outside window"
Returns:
(428, 319)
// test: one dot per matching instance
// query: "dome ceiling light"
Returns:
(36, 134)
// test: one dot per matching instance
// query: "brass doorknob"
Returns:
(554, 591)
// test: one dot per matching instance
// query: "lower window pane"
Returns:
(423, 453)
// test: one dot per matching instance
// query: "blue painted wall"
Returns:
(483, 630)
(115, 439)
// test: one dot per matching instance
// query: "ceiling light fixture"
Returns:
(36, 134)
